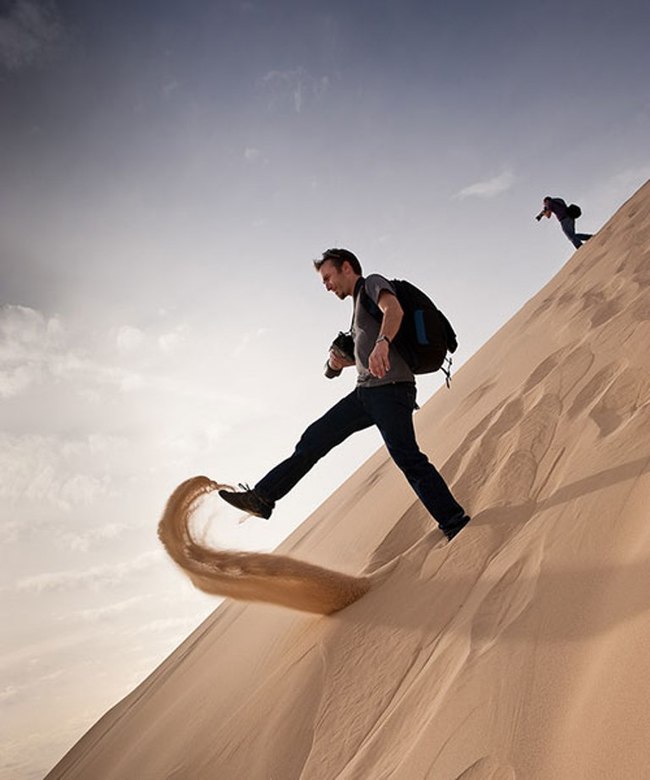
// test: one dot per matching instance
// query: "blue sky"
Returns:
(168, 173)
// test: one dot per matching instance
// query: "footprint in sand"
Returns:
(560, 372)
(480, 445)
(606, 312)
(595, 389)
(517, 439)
(642, 275)
(514, 581)
(517, 433)
(412, 526)
(628, 394)
(453, 465)
(615, 396)
(543, 370)
(475, 396)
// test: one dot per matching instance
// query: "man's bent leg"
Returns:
(569, 230)
(343, 419)
(391, 407)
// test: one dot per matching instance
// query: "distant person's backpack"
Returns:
(574, 211)
(425, 335)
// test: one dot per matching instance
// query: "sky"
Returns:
(169, 172)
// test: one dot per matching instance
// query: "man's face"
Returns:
(335, 280)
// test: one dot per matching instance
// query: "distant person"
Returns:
(567, 216)
(384, 396)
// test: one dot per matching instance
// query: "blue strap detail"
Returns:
(420, 328)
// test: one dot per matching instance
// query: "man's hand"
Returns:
(378, 362)
(336, 362)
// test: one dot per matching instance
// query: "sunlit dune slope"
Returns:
(520, 650)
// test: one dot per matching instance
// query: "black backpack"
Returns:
(425, 335)
(574, 211)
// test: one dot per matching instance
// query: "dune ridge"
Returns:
(277, 579)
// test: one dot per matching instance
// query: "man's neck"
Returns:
(358, 281)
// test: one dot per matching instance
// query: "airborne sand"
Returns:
(520, 650)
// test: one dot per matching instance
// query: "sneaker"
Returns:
(455, 526)
(249, 501)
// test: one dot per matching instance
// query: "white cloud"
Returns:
(14, 381)
(490, 188)
(80, 389)
(168, 342)
(35, 349)
(75, 490)
(33, 654)
(247, 339)
(82, 542)
(130, 382)
(95, 577)
(109, 611)
(182, 625)
(93, 444)
(21, 326)
(31, 346)
(8, 693)
(45, 469)
(30, 30)
(128, 338)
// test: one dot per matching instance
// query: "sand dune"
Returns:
(520, 650)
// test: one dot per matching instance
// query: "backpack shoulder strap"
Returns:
(360, 295)
(358, 287)
(366, 301)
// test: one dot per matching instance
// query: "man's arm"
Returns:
(378, 362)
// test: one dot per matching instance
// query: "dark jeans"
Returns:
(569, 230)
(390, 408)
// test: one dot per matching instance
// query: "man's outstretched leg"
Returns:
(345, 418)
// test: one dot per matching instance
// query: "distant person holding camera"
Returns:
(384, 396)
(567, 216)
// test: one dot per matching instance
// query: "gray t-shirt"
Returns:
(365, 330)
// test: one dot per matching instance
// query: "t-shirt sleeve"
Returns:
(375, 285)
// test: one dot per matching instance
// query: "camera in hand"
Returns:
(540, 215)
(343, 347)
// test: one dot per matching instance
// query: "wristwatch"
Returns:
(383, 338)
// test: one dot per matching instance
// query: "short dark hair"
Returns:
(337, 257)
